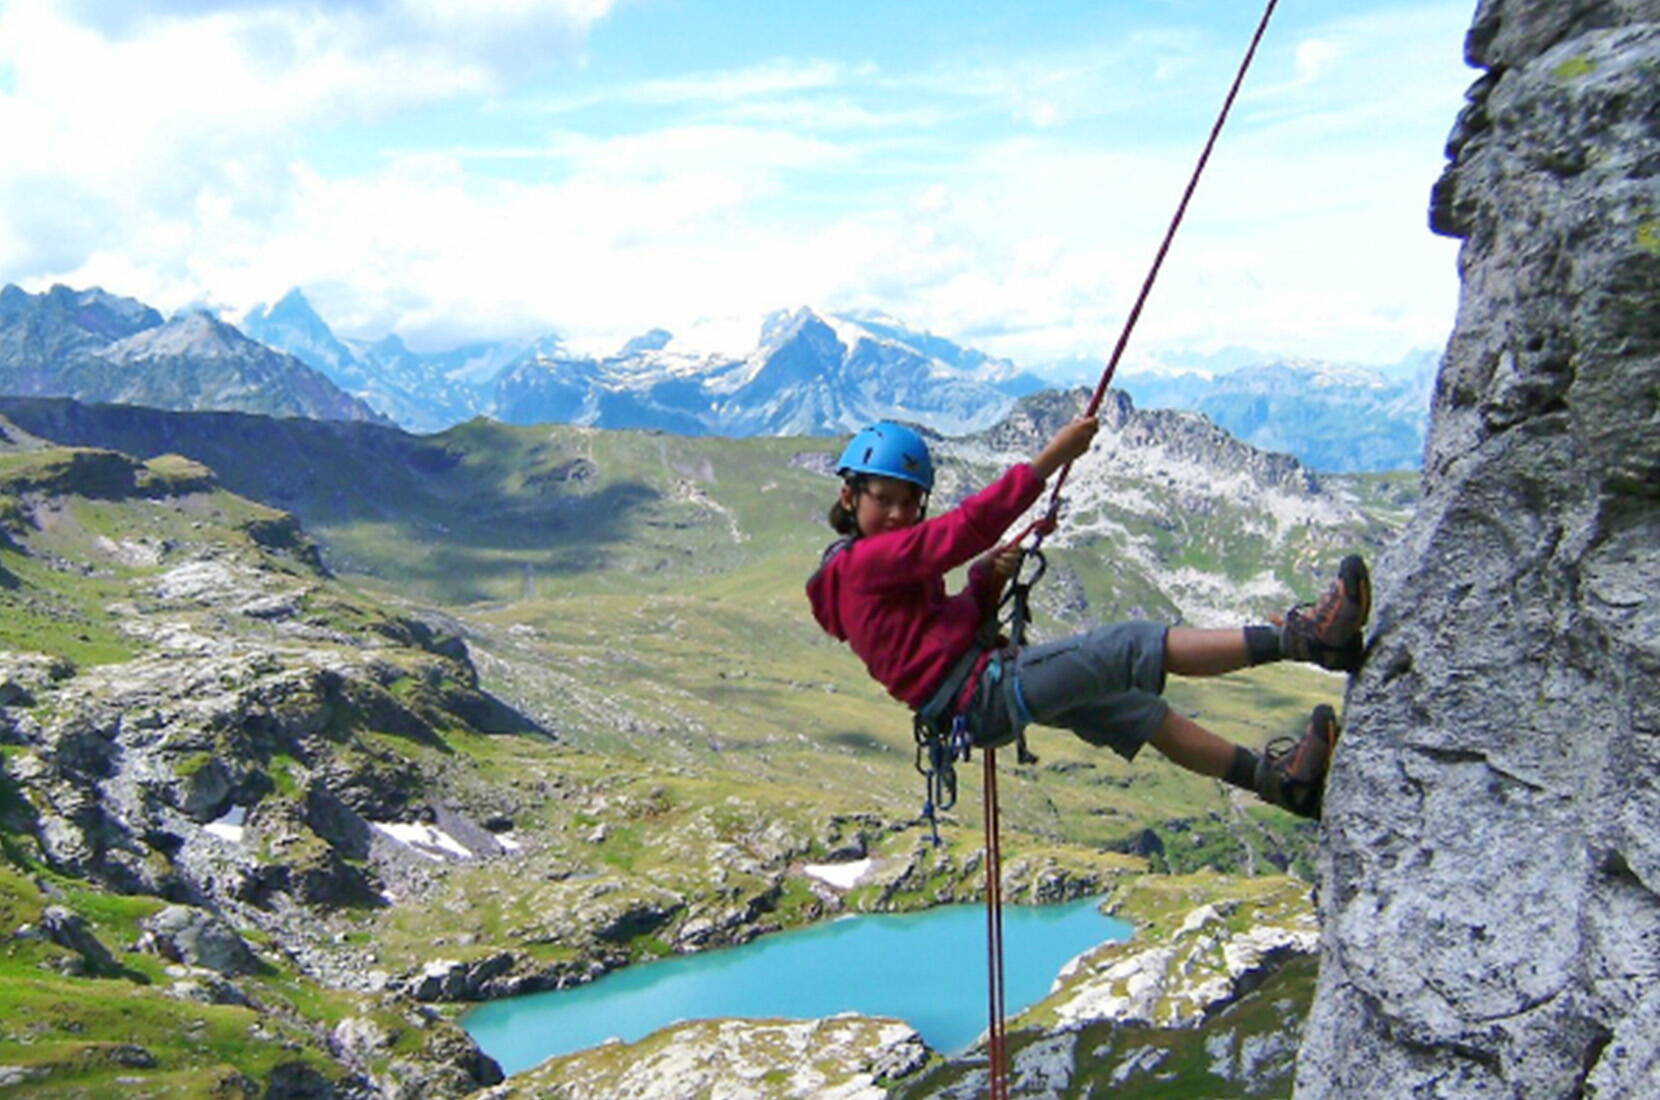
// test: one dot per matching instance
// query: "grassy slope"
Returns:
(641, 595)
(694, 647)
(71, 1034)
(71, 557)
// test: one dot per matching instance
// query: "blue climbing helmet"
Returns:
(886, 449)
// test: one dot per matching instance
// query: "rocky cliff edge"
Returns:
(1491, 866)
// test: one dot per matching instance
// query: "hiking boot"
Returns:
(1292, 774)
(1329, 633)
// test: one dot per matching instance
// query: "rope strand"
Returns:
(1095, 400)
(996, 1037)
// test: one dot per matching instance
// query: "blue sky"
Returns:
(997, 173)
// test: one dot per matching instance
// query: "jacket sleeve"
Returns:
(937, 546)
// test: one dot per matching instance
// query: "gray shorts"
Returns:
(1104, 685)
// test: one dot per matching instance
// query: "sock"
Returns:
(1262, 644)
(1242, 773)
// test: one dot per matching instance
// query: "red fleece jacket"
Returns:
(884, 595)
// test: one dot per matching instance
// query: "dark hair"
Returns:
(843, 520)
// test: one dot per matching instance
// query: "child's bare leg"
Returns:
(1192, 652)
(1195, 748)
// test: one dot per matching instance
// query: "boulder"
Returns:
(196, 937)
(453, 980)
(70, 930)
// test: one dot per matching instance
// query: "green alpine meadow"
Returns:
(315, 733)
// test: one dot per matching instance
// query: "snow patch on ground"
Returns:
(426, 840)
(231, 826)
(843, 876)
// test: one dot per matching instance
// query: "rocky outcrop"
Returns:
(1205, 964)
(70, 930)
(839, 1058)
(1491, 871)
(1153, 485)
(1207, 999)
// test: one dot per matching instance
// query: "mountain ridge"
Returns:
(810, 373)
(101, 347)
(870, 365)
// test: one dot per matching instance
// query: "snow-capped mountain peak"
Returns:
(196, 334)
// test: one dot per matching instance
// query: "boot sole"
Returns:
(1357, 582)
(1323, 721)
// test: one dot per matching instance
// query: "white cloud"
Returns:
(769, 79)
(737, 152)
(833, 114)
(742, 90)
(167, 159)
(151, 131)
(1315, 56)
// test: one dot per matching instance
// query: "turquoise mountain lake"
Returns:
(928, 969)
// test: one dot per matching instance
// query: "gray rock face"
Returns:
(1491, 871)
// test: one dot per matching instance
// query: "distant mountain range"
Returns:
(421, 391)
(809, 374)
(95, 346)
(1338, 418)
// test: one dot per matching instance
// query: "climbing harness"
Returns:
(940, 744)
(941, 750)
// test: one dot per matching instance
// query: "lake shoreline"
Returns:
(918, 961)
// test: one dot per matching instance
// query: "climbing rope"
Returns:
(995, 1034)
(1037, 528)
(1019, 595)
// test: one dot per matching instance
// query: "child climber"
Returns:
(881, 589)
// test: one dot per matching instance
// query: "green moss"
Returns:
(796, 904)
(146, 1043)
(647, 947)
(1573, 69)
(20, 899)
(281, 771)
(60, 624)
(117, 912)
(1648, 236)
(195, 762)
